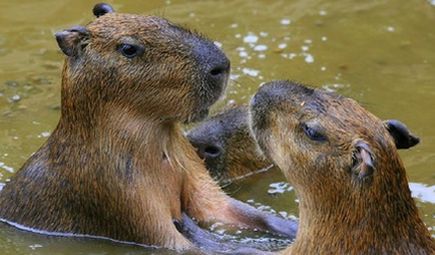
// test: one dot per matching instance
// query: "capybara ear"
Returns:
(72, 40)
(101, 9)
(363, 162)
(403, 138)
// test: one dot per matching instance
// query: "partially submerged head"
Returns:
(226, 145)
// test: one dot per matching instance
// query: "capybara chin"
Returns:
(344, 166)
(118, 165)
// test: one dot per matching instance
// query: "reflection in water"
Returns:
(381, 53)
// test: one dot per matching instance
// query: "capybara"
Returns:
(226, 145)
(118, 164)
(230, 151)
(343, 163)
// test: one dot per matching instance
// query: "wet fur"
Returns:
(237, 153)
(228, 131)
(341, 212)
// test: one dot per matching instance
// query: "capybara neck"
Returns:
(88, 118)
(116, 130)
(86, 109)
(386, 217)
(89, 115)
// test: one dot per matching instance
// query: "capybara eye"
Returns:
(130, 50)
(313, 132)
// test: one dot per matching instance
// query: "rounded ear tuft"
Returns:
(71, 40)
(403, 138)
(101, 9)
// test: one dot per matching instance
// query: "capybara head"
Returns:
(226, 145)
(143, 64)
(315, 137)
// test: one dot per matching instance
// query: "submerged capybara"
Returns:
(118, 165)
(343, 163)
(230, 152)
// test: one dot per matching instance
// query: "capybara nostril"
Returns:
(207, 148)
(220, 69)
(208, 151)
(212, 151)
(214, 68)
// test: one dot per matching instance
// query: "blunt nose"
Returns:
(208, 151)
(214, 63)
(218, 70)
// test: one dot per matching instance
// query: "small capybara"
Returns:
(118, 164)
(230, 151)
(343, 163)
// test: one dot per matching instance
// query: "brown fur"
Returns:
(230, 151)
(352, 185)
(117, 165)
(235, 150)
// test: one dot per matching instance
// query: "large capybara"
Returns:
(343, 163)
(230, 151)
(118, 165)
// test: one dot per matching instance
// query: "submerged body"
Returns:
(343, 163)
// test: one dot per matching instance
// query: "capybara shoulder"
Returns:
(344, 165)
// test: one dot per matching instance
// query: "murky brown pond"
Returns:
(381, 53)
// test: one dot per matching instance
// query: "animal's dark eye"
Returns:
(313, 132)
(130, 50)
